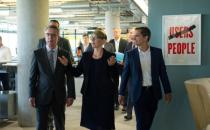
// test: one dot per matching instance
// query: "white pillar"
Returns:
(112, 20)
(32, 17)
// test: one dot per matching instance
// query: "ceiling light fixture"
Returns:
(55, 10)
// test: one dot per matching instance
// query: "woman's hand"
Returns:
(111, 61)
(63, 60)
(69, 101)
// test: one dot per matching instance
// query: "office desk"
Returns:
(11, 68)
(10, 64)
(8, 98)
(7, 104)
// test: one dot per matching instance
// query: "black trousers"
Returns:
(100, 128)
(129, 107)
(42, 115)
(116, 82)
(145, 109)
(4, 78)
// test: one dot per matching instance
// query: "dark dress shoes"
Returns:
(127, 118)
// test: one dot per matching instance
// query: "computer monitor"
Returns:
(4, 78)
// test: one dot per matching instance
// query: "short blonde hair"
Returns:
(100, 34)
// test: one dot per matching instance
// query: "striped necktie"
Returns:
(51, 59)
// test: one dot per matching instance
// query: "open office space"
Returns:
(180, 28)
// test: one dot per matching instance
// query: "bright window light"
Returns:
(142, 5)
(55, 10)
(4, 12)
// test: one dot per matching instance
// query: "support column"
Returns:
(112, 20)
(32, 17)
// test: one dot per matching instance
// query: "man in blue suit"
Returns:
(145, 68)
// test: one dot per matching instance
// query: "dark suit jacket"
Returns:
(89, 48)
(129, 46)
(62, 43)
(122, 45)
(109, 47)
(44, 84)
(84, 68)
(132, 70)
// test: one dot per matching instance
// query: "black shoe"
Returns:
(123, 110)
(116, 107)
(127, 118)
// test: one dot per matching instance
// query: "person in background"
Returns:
(62, 42)
(5, 56)
(5, 53)
(118, 42)
(129, 105)
(47, 82)
(119, 45)
(85, 45)
(98, 67)
(145, 68)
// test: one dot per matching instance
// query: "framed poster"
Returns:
(181, 36)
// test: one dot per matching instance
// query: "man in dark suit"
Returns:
(129, 105)
(119, 45)
(118, 42)
(86, 45)
(145, 68)
(47, 82)
(65, 45)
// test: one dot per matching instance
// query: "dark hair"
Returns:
(52, 27)
(84, 35)
(55, 21)
(145, 31)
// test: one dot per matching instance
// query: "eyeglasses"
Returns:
(51, 34)
(93, 38)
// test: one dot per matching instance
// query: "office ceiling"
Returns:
(82, 13)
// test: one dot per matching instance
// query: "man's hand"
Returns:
(121, 100)
(63, 60)
(69, 101)
(32, 101)
(168, 97)
(111, 61)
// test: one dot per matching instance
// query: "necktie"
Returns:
(133, 45)
(51, 59)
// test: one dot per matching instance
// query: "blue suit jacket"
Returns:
(132, 70)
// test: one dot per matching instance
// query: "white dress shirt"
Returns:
(145, 60)
(117, 42)
(5, 54)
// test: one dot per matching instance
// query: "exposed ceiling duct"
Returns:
(82, 11)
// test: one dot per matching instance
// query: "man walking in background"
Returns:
(62, 42)
(119, 45)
